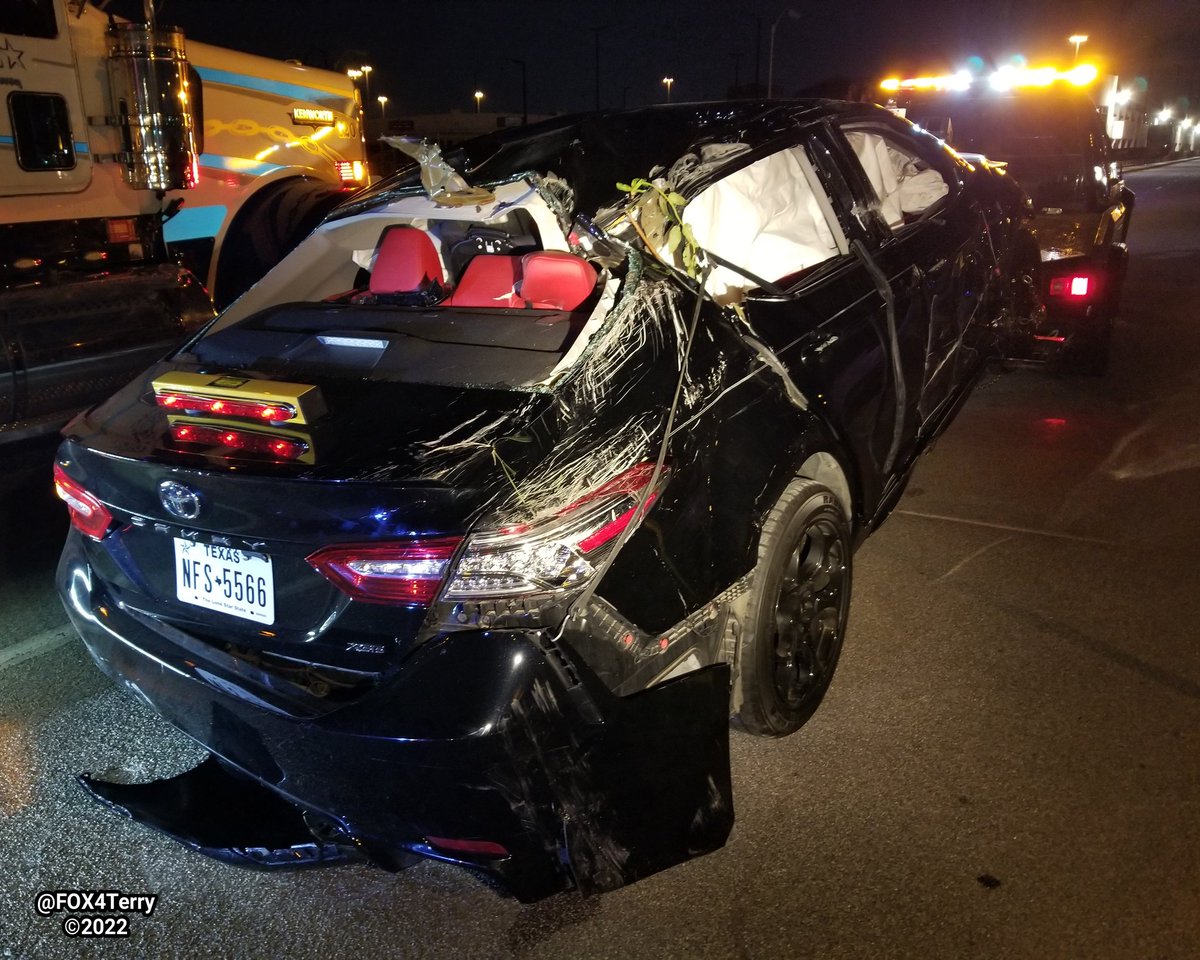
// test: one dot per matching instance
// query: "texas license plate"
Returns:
(225, 579)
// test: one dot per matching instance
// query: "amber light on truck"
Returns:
(352, 171)
(88, 514)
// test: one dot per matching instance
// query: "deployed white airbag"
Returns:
(765, 218)
(902, 187)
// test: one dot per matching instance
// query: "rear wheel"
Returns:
(794, 615)
(266, 229)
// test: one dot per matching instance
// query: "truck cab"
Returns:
(1051, 139)
(95, 128)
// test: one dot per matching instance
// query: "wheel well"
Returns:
(825, 469)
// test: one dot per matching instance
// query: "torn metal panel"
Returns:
(214, 812)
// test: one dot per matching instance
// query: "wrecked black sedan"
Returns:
(463, 533)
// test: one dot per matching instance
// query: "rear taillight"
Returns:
(406, 572)
(561, 553)
(1078, 286)
(88, 515)
(271, 445)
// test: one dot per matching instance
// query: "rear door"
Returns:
(928, 244)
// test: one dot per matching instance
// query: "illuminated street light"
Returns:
(366, 69)
(382, 113)
(794, 15)
(1078, 39)
(478, 99)
(354, 74)
(667, 81)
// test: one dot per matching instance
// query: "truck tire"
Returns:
(793, 617)
(266, 229)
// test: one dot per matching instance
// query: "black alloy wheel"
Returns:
(794, 616)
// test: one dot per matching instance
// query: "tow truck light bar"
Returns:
(1006, 78)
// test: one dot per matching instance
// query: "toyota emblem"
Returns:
(180, 501)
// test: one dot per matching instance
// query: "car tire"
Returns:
(266, 230)
(793, 617)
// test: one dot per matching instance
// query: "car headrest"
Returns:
(406, 262)
(554, 280)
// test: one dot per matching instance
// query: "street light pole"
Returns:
(596, 45)
(382, 114)
(366, 69)
(667, 81)
(524, 90)
(771, 50)
(1077, 39)
(478, 99)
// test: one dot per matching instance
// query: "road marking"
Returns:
(1053, 534)
(978, 553)
(36, 645)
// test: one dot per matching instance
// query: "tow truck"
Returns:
(1041, 126)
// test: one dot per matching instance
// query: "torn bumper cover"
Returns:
(498, 751)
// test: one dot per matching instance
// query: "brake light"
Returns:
(560, 553)
(281, 448)
(252, 409)
(1070, 286)
(403, 572)
(88, 515)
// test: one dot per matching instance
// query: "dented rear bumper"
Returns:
(497, 750)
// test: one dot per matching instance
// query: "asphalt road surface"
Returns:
(1007, 765)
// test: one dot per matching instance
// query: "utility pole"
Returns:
(524, 90)
(596, 45)
(757, 54)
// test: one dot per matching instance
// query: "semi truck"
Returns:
(139, 173)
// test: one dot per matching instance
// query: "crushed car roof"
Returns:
(593, 151)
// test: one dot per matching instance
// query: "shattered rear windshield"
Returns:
(511, 349)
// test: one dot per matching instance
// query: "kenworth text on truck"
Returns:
(106, 132)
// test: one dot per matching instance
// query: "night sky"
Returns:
(433, 56)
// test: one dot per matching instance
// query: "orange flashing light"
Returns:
(1006, 78)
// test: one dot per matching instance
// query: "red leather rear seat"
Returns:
(490, 280)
